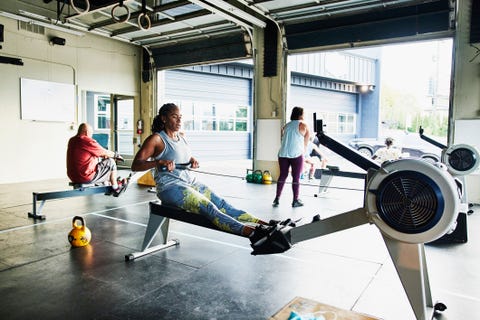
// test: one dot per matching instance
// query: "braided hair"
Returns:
(158, 124)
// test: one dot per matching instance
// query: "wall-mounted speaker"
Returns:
(475, 22)
(270, 54)
(58, 41)
(147, 67)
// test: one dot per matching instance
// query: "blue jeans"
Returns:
(198, 198)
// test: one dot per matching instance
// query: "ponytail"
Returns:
(158, 124)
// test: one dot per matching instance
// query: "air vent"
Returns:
(31, 27)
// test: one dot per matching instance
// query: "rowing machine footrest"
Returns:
(275, 241)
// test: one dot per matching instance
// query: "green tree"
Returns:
(398, 109)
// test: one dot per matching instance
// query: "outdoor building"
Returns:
(340, 87)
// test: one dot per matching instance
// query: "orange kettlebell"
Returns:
(80, 235)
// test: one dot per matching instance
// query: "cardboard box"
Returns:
(309, 309)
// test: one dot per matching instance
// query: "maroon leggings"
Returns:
(297, 168)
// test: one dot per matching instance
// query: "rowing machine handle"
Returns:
(351, 155)
(430, 140)
(180, 166)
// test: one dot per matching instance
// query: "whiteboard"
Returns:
(268, 139)
(47, 101)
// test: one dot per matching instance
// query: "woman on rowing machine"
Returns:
(167, 151)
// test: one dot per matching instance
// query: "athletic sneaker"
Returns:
(275, 202)
(297, 203)
(122, 186)
(109, 191)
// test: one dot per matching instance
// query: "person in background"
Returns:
(387, 153)
(89, 162)
(295, 137)
(314, 158)
(167, 151)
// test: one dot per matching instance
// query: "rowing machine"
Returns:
(78, 190)
(461, 160)
(411, 202)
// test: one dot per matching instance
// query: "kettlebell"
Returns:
(257, 176)
(267, 177)
(80, 235)
(249, 176)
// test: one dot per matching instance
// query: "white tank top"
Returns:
(293, 144)
(179, 151)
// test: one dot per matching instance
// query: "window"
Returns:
(102, 112)
(338, 122)
(205, 116)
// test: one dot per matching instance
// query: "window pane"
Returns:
(205, 110)
(186, 109)
(241, 126)
(226, 125)
(209, 125)
(103, 122)
(225, 112)
(188, 125)
(242, 112)
(103, 104)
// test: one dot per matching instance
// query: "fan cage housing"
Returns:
(461, 159)
(410, 202)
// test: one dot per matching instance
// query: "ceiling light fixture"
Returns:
(221, 13)
(237, 12)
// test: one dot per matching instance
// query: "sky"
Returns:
(408, 66)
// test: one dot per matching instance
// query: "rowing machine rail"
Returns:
(79, 190)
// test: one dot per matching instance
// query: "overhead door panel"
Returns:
(337, 109)
(317, 100)
(203, 51)
(221, 91)
(412, 21)
(193, 86)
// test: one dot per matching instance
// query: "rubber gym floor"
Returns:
(211, 274)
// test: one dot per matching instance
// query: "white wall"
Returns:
(466, 98)
(33, 150)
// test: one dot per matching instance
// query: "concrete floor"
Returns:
(210, 275)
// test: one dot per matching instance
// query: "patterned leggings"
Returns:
(198, 198)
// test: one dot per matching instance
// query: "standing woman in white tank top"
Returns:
(295, 136)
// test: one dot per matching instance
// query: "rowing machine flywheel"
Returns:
(461, 159)
(412, 200)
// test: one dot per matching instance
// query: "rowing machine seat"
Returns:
(81, 185)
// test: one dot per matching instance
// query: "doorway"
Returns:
(111, 117)
(123, 108)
